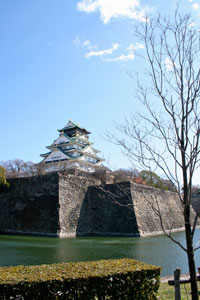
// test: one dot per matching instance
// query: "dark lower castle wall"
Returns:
(30, 206)
(108, 211)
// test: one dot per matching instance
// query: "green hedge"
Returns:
(105, 279)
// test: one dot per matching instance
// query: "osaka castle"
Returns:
(72, 149)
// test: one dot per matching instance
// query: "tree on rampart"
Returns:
(154, 180)
(3, 182)
(164, 135)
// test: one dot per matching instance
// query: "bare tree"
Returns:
(125, 174)
(164, 134)
(19, 168)
(13, 167)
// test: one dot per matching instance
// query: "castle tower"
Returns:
(72, 149)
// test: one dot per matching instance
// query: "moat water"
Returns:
(157, 250)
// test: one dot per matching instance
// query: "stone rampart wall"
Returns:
(130, 209)
(68, 205)
(109, 211)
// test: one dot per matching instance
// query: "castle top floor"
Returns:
(74, 130)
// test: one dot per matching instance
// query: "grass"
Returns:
(166, 292)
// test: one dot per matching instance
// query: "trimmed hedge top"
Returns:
(101, 268)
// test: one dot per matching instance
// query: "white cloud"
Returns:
(122, 57)
(127, 57)
(102, 52)
(192, 24)
(133, 47)
(86, 43)
(113, 9)
(88, 6)
(196, 6)
(82, 42)
(168, 64)
(77, 42)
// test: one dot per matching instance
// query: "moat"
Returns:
(157, 250)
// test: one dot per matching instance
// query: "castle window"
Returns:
(56, 157)
(92, 160)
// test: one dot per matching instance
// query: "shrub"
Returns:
(104, 279)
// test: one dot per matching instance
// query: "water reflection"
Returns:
(157, 250)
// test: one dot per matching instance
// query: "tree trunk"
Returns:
(191, 261)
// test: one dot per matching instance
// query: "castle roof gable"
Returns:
(63, 138)
(56, 155)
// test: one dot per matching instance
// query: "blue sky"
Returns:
(69, 59)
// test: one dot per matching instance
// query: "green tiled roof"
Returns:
(45, 154)
(73, 125)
